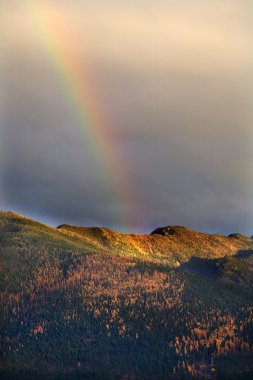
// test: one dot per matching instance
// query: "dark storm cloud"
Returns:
(176, 80)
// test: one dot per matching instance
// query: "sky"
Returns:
(130, 115)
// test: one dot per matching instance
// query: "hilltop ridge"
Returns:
(170, 245)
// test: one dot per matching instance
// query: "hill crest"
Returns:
(170, 245)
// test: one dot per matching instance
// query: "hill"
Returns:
(170, 246)
(91, 303)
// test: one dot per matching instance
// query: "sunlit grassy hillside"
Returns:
(169, 245)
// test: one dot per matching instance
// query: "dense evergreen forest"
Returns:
(90, 303)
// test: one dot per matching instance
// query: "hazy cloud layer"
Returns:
(176, 79)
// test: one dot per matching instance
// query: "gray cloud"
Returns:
(176, 81)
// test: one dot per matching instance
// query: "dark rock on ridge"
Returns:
(169, 230)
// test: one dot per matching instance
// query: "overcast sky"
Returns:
(176, 80)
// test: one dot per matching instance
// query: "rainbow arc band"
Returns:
(82, 97)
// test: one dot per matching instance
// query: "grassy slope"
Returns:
(171, 250)
(26, 244)
(18, 232)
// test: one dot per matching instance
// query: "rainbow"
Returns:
(81, 94)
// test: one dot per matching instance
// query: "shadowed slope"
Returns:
(237, 269)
